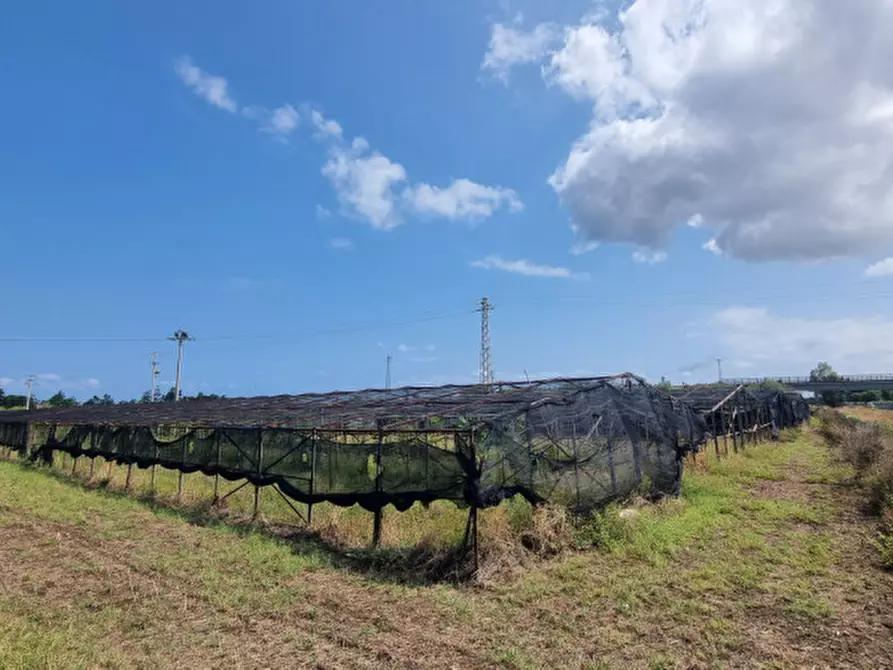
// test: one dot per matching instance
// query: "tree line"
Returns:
(61, 399)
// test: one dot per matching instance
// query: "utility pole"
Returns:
(486, 371)
(387, 377)
(719, 369)
(155, 373)
(30, 383)
(180, 337)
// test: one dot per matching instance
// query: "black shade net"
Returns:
(577, 442)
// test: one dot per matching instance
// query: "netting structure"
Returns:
(574, 442)
(738, 413)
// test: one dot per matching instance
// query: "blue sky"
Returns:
(148, 183)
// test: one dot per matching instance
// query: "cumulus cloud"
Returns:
(283, 121)
(369, 185)
(769, 122)
(883, 268)
(649, 257)
(463, 199)
(509, 47)
(526, 268)
(851, 345)
(364, 181)
(211, 88)
(325, 127)
(711, 246)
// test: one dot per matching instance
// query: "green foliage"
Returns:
(59, 399)
(106, 399)
(865, 396)
(823, 372)
(605, 529)
(884, 545)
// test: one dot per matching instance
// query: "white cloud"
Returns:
(851, 345)
(883, 268)
(211, 88)
(422, 359)
(649, 257)
(581, 248)
(341, 243)
(404, 348)
(283, 121)
(47, 383)
(463, 199)
(364, 181)
(526, 268)
(326, 127)
(711, 246)
(509, 47)
(771, 119)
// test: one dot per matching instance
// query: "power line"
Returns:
(340, 330)
(669, 301)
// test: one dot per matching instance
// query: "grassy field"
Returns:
(882, 416)
(766, 561)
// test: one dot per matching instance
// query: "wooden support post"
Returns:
(180, 473)
(154, 477)
(376, 528)
(312, 476)
(74, 466)
(740, 418)
(475, 536)
(715, 437)
(611, 470)
(260, 471)
(379, 512)
(217, 473)
(129, 476)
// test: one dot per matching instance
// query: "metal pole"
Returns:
(180, 337)
(155, 373)
(30, 382)
(179, 369)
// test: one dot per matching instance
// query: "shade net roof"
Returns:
(576, 442)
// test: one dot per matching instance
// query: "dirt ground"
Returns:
(766, 562)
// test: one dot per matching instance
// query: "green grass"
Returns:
(96, 578)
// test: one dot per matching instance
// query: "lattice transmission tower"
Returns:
(486, 373)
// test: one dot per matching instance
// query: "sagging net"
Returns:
(578, 443)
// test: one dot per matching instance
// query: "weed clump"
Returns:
(868, 449)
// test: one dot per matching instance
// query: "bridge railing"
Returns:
(794, 381)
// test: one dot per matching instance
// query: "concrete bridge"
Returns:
(880, 382)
